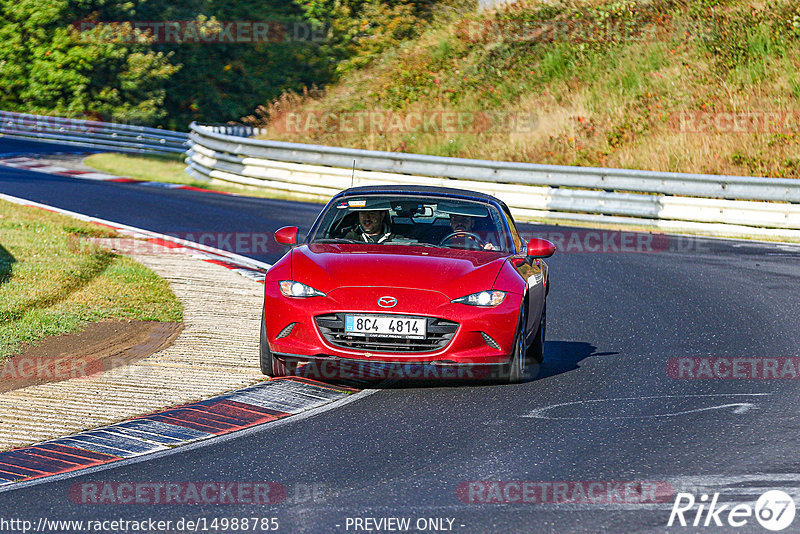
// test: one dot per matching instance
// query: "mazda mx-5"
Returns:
(408, 275)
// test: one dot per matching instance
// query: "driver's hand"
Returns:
(488, 246)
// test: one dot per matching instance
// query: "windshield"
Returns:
(412, 220)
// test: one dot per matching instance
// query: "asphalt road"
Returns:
(213, 219)
(604, 407)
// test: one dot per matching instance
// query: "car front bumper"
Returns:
(467, 346)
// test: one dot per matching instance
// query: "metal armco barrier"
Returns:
(719, 205)
(91, 134)
(237, 130)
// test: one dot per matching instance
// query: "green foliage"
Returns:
(360, 30)
(490, 55)
(745, 36)
(582, 82)
(794, 88)
(223, 81)
(88, 58)
(46, 68)
(85, 58)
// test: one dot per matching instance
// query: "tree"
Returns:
(222, 80)
(115, 60)
(359, 30)
(49, 65)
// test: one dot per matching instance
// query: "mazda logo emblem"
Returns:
(387, 302)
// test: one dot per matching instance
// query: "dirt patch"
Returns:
(98, 348)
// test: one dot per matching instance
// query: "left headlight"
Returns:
(486, 299)
(290, 288)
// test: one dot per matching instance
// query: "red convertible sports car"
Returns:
(408, 275)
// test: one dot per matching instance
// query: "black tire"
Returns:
(514, 370)
(536, 350)
(270, 365)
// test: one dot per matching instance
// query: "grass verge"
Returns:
(701, 86)
(155, 167)
(52, 283)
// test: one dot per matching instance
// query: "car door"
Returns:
(532, 271)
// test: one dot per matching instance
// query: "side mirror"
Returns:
(540, 248)
(286, 235)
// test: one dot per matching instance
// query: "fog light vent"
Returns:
(286, 331)
(489, 341)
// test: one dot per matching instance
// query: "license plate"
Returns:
(385, 326)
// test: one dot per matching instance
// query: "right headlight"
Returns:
(290, 288)
(484, 299)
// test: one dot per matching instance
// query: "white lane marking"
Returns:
(739, 407)
(95, 176)
(32, 164)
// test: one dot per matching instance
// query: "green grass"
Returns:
(156, 168)
(171, 169)
(53, 281)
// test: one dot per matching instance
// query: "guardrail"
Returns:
(720, 205)
(91, 134)
(237, 130)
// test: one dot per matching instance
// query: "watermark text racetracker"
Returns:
(597, 492)
(426, 121)
(378, 371)
(204, 31)
(613, 241)
(733, 368)
(22, 370)
(737, 122)
(237, 242)
(48, 368)
(566, 241)
(196, 493)
(177, 493)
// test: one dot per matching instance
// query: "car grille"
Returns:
(440, 332)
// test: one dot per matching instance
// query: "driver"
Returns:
(463, 224)
(372, 227)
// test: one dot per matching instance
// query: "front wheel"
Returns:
(270, 365)
(536, 350)
(514, 370)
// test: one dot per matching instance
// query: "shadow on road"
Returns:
(6, 262)
(560, 357)
(564, 356)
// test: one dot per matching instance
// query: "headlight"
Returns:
(290, 288)
(485, 299)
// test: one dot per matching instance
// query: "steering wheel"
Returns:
(474, 237)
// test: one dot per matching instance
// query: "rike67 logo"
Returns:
(774, 510)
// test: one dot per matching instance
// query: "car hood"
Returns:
(453, 272)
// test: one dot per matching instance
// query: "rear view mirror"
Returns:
(286, 235)
(540, 248)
